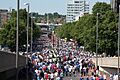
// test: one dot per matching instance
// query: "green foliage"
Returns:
(65, 31)
(8, 31)
(84, 30)
(52, 18)
(101, 7)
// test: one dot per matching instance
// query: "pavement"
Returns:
(72, 77)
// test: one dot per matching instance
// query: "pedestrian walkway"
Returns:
(66, 64)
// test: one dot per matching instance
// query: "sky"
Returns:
(44, 6)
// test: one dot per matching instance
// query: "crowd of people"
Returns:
(67, 61)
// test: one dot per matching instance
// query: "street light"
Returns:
(97, 41)
(31, 32)
(17, 33)
(27, 23)
(27, 4)
(17, 38)
(119, 44)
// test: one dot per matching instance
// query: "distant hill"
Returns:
(50, 18)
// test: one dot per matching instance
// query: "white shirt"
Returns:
(58, 78)
(70, 69)
(51, 75)
(57, 64)
(36, 71)
(104, 76)
(56, 74)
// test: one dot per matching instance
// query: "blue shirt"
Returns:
(81, 78)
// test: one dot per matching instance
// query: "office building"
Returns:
(76, 9)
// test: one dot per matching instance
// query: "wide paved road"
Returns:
(77, 77)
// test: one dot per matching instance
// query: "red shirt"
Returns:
(97, 78)
(46, 76)
(64, 58)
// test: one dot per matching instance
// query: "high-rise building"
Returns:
(115, 5)
(4, 16)
(75, 9)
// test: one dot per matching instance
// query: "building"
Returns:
(76, 8)
(115, 5)
(4, 16)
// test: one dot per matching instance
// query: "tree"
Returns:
(65, 31)
(84, 30)
(56, 15)
(108, 30)
(101, 7)
(8, 32)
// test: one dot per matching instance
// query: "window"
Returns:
(76, 10)
(81, 1)
(76, 2)
(70, 5)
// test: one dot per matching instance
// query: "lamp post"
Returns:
(27, 37)
(17, 38)
(31, 33)
(17, 33)
(27, 24)
(97, 41)
(119, 44)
